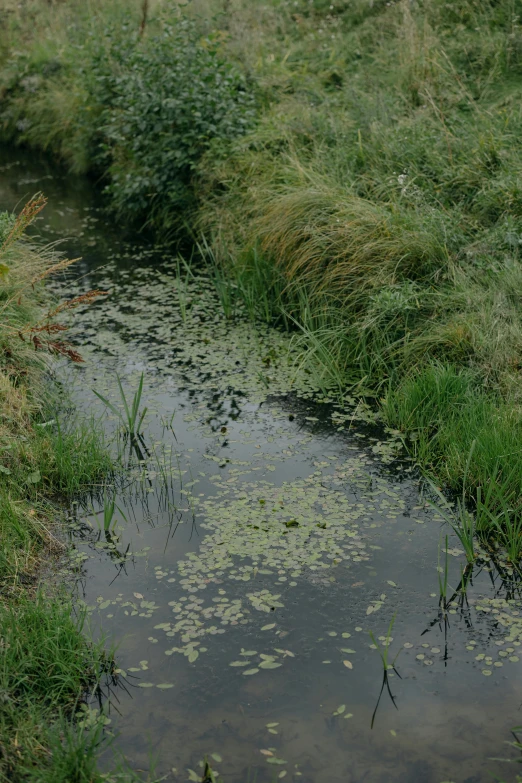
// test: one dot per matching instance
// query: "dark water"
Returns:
(257, 524)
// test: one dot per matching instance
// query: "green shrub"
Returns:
(173, 98)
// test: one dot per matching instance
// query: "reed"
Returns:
(132, 416)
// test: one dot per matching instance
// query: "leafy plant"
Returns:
(173, 97)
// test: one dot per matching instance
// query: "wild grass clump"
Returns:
(467, 439)
(333, 241)
(46, 664)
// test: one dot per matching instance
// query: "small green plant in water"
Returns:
(462, 521)
(442, 573)
(131, 418)
(108, 521)
(386, 665)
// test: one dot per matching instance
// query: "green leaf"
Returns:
(34, 477)
(269, 665)
(250, 671)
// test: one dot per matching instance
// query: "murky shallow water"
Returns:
(259, 540)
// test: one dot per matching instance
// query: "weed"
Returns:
(131, 418)
(442, 574)
(109, 508)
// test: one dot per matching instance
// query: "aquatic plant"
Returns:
(108, 521)
(387, 666)
(131, 417)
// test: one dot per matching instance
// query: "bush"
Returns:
(173, 98)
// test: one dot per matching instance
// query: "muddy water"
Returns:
(264, 540)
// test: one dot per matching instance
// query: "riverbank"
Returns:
(353, 170)
(46, 660)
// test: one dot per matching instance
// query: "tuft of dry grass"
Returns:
(338, 242)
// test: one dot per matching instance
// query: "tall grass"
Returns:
(41, 456)
(46, 661)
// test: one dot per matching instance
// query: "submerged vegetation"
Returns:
(353, 169)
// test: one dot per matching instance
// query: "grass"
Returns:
(373, 208)
(47, 662)
(41, 457)
(45, 665)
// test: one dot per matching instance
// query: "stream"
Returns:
(270, 553)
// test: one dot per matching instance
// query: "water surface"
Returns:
(262, 534)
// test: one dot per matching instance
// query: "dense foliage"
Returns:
(139, 110)
(171, 100)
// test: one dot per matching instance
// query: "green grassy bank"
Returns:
(46, 661)
(354, 168)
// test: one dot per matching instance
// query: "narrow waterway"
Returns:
(267, 549)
